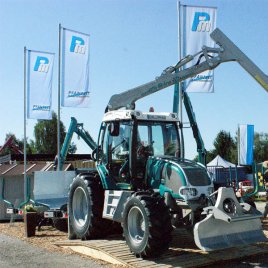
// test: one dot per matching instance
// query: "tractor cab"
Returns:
(126, 141)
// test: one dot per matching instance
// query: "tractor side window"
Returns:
(120, 143)
(143, 136)
(157, 140)
(106, 145)
(171, 140)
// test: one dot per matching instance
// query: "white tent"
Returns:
(218, 161)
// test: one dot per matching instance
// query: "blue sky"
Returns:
(131, 43)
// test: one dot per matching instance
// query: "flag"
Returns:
(39, 84)
(197, 23)
(74, 69)
(246, 142)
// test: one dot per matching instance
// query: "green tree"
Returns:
(45, 133)
(260, 147)
(224, 145)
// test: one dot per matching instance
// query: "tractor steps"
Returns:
(114, 250)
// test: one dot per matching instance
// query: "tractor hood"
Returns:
(184, 179)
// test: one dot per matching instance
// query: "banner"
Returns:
(74, 69)
(39, 84)
(197, 24)
(246, 142)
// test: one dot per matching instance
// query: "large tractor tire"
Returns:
(86, 198)
(146, 225)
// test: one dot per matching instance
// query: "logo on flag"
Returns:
(41, 64)
(77, 45)
(197, 23)
(41, 107)
(74, 69)
(201, 22)
(74, 94)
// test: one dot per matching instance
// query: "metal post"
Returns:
(59, 87)
(24, 145)
(238, 146)
(180, 84)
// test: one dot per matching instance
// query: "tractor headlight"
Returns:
(229, 206)
(189, 191)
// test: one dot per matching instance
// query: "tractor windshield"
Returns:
(157, 138)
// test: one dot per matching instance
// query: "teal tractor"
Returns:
(142, 181)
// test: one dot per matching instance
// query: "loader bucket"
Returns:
(228, 224)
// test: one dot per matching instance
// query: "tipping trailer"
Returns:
(142, 182)
(50, 188)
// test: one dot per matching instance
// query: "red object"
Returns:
(10, 144)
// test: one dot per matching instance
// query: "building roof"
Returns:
(18, 169)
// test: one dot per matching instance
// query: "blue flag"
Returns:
(246, 143)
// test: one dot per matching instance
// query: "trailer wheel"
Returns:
(146, 225)
(86, 198)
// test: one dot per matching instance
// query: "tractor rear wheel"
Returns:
(146, 225)
(86, 198)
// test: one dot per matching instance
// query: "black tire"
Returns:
(61, 225)
(86, 198)
(146, 225)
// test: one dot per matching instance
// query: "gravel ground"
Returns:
(18, 251)
(20, 254)
(39, 251)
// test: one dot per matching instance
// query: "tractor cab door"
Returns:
(115, 144)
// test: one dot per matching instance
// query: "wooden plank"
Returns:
(116, 251)
(96, 254)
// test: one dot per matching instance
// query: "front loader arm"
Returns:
(227, 51)
(77, 128)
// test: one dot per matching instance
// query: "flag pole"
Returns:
(24, 145)
(58, 122)
(180, 84)
(238, 146)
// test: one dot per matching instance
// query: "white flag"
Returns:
(197, 24)
(39, 84)
(246, 142)
(74, 69)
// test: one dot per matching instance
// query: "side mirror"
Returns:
(114, 129)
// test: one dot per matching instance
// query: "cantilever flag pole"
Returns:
(59, 88)
(24, 144)
(178, 94)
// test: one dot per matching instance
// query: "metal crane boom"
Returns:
(227, 51)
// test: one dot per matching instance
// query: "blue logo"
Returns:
(201, 22)
(78, 45)
(41, 64)
(202, 78)
(77, 94)
(37, 107)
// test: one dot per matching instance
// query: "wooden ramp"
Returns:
(182, 252)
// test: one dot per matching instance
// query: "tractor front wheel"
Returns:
(146, 225)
